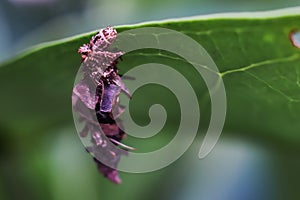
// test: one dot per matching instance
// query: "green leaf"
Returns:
(259, 65)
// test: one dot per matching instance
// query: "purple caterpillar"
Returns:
(98, 92)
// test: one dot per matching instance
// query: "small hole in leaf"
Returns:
(295, 38)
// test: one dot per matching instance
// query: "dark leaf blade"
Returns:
(259, 64)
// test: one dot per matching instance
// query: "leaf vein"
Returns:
(262, 63)
(273, 88)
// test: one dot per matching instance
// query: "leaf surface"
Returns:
(259, 65)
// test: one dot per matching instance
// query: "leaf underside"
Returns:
(259, 65)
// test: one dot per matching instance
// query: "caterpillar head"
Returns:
(103, 39)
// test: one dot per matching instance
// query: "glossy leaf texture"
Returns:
(259, 65)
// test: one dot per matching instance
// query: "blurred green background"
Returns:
(52, 164)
